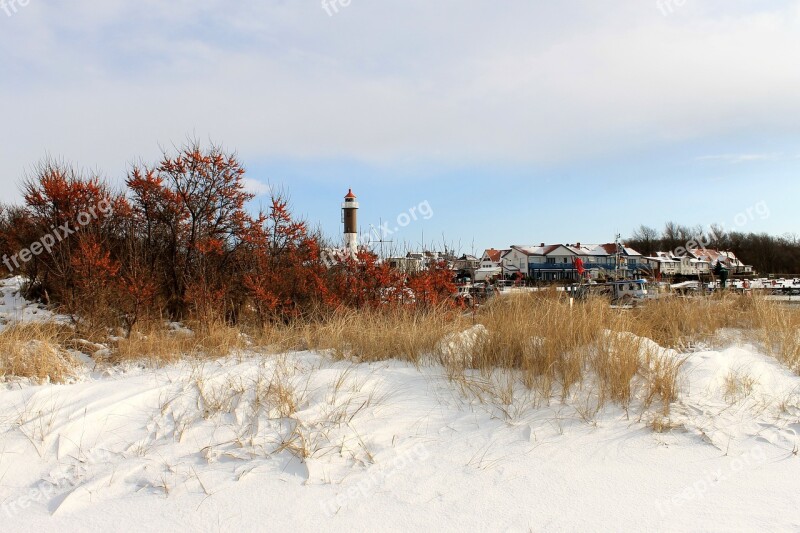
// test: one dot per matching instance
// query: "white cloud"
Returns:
(741, 158)
(256, 187)
(452, 81)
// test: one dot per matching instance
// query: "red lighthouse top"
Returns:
(350, 194)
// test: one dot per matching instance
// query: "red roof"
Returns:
(610, 248)
(494, 255)
(350, 194)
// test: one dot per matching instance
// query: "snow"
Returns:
(457, 349)
(210, 446)
(15, 308)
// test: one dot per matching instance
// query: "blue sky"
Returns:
(522, 123)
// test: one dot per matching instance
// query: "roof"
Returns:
(589, 249)
(552, 248)
(662, 259)
(494, 255)
(583, 250)
(611, 249)
(350, 194)
(595, 250)
(526, 250)
(713, 256)
(536, 250)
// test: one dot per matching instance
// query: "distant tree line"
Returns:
(177, 242)
(767, 253)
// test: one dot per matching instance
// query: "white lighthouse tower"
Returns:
(350, 220)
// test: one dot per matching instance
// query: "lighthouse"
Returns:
(350, 220)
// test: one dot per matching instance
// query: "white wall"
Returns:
(518, 260)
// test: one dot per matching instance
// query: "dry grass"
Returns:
(268, 414)
(281, 338)
(683, 322)
(560, 347)
(663, 424)
(541, 335)
(160, 346)
(551, 347)
(35, 350)
(376, 335)
(660, 376)
(617, 361)
(777, 327)
(738, 385)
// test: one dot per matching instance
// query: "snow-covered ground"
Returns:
(15, 308)
(298, 442)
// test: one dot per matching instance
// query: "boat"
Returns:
(623, 291)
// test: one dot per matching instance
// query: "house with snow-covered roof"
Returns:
(514, 261)
(552, 263)
(669, 264)
(556, 262)
(664, 264)
(727, 259)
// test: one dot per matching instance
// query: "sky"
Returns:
(504, 123)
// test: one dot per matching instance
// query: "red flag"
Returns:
(579, 266)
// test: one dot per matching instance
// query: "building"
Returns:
(557, 262)
(553, 262)
(727, 259)
(488, 273)
(489, 265)
(625, 259)
(417, 261)
(663, 264)
(492, 258)
(514, 262)
(668, 264)
(465, 267)
(409, 265)
(350, 222)
(698, 262)
(468, 263)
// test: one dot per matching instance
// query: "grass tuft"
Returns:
(778, 329)
(161, 346)
(35, 350)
